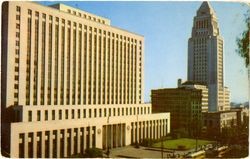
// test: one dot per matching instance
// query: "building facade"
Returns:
(214, 122)
(205, 57)
(185, 104)
(71, 81)
(198, 86)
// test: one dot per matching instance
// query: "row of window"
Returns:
(84, 113)
(86, 16)
(17, 54)
(67, 53)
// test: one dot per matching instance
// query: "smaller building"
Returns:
(242, 115)
(185, 104)
(214, 122)
(200, 86)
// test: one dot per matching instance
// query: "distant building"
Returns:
(242, 115)
(205, 57)
(71, 81)
(185, 104)
(214, 122)
(199, 86)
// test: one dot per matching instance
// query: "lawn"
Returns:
(188, 143)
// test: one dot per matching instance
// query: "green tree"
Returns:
(243, 41)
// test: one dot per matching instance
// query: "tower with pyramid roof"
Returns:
(205, 57)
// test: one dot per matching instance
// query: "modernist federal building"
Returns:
(71, 81)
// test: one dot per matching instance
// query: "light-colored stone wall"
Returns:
(70, 79)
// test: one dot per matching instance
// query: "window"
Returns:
(72, 113)
(17, 17)
(29, 12)
(89, 113)
(18, 26)
(122, 111)
(66, 114)
(118, 112)
(109, 111)
(105, 112)
(38, 115)
(79, 114)
(95, 113)
(100, 112)
(84, 113)
(18, 9)
(53, 115)
(46, 114)
(113, 111)
(30, 116)
(60, 114)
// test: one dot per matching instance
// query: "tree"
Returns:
(243, 41)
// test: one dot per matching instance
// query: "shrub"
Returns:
(181, 147)
(93, 153)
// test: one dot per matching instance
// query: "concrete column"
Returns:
(53, 62)
(82, 67)
(51, 137)
(137, 131)
(76, 64)
(32, 57)
(152, 130)
(121, 139)
(71, 64)
(59, 65)
(162, 128)
(121, 71)
(90, 137)
(84, 138)
(34, 145)
(39, 62)
(117, 135)
(99, 136)
(78, 140)
(155, 129)
(43, 144)
(97, 68)
(14, 149)
(65, 143)
(111, 136)
(148, 129)
(134, 132)
(158, 129)
(72, 141)
(26, 145)
(92, 68)
(58, 144)
(65, 63)
(142, 130)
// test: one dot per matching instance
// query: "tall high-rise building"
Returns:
(71, 81)
(205, 57)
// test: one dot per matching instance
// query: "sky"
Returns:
(166, 27)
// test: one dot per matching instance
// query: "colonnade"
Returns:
(153, 129)
(114, 135)
(56, 143)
